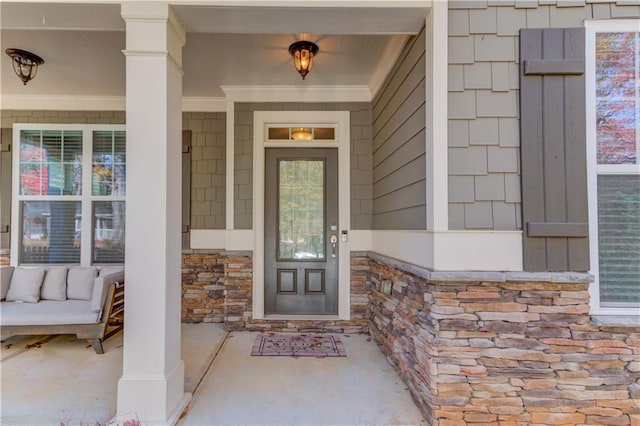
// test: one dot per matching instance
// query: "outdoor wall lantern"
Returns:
(303, 53)
(25, 64)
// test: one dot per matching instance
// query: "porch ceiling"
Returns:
(226, 46)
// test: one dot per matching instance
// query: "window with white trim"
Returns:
(69, 185)
(613, 137)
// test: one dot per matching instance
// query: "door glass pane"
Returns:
(301, 209)
(50, 232)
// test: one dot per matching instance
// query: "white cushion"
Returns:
(100, 287)
(5, 280)
(25, 285)
(54, 286)
(80, 282)
(48, 312)
(108, 270)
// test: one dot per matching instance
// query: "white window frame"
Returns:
(593, 169)
(86, 198)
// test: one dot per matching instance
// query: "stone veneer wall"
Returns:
(504, 348)
(217, 286)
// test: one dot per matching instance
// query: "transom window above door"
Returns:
(301, 133)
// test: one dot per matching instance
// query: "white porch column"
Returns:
(151, 388)
(436, 33)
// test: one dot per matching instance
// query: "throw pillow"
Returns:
(80, 282)
(54, 286)
(25, 285)
(5, 280)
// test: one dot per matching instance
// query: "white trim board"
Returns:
(222, 239)
(99, 103)
(343, 144)
(451, 250)
(297, 93)
(438, 251)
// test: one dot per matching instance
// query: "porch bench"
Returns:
(92, 308)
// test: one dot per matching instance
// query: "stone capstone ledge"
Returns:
(221, 252)
(617, 320)
(485, 276)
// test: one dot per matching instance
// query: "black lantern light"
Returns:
(303, 53)
(25, 64)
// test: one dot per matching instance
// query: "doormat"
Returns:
(296, 345)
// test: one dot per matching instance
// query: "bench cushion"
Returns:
(48, 312)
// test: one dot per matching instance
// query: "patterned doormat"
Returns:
(314, 345)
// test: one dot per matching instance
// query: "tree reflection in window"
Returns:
(301, 209)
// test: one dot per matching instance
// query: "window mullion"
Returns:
(87, 213)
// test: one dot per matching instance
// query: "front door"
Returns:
(301, 231)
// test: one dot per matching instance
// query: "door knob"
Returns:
(334, 243)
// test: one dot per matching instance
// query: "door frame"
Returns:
(339, 119)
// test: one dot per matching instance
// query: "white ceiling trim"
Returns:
(198, 104)
(63, 103)
(297, 93)
(99, 103)
(391, 54)
(194, 104)
(266, 3)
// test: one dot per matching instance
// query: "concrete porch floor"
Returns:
(54, 380)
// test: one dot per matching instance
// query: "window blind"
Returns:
(619, 238)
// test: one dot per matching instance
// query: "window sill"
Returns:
(616, 320)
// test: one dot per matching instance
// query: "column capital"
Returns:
(153, 28)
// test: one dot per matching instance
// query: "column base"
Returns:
(152, 400)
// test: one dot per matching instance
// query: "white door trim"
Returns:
(343, 142)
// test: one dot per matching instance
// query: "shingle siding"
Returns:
(208, 168)
(483, 60)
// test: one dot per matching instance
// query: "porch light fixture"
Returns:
(25, 64)
(301, 134)
(303, 53)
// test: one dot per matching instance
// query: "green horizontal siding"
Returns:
(619, 238)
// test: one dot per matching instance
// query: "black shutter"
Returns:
(5, 187)
(553, 150)
(186, 188)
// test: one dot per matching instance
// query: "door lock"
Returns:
(334, 243)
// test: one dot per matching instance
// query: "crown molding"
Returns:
(202, 104)
(297, 93)
(391, 54)
(63, 103)
(194, 104)
(98, 103)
